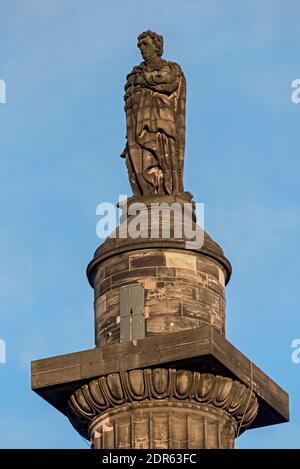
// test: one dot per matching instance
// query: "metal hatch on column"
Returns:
(132, 318)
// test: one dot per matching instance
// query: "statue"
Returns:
(155, 95)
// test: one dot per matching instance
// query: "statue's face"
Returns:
(147, 47)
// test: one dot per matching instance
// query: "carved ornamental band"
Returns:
(117, 389)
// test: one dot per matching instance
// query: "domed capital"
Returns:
(161, 389)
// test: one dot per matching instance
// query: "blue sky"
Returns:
(61, 132)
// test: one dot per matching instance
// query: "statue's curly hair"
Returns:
(157, 39)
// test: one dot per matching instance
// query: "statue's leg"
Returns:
(136, 156)
(175, 169)
(170, 165)
(149, 171)
(165, 155)
(132, 176)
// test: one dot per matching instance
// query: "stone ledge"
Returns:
(201, 349)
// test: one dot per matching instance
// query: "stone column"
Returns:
(182, 289)
(162, 374)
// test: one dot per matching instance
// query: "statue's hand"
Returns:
(161, 76)
(164, 75)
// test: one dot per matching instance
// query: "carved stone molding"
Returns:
(126, 388)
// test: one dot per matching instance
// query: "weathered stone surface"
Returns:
(163, 425)
(181, 260)
(144, 259)
(116, 265)
(133, 274)
(203, 350)
(210, 398)
(174, 286)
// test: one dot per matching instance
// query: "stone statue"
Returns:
(155, 95)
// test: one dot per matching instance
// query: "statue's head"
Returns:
(150, 44)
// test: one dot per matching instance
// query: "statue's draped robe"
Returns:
(155, 121)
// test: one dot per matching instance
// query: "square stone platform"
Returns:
(202, 349)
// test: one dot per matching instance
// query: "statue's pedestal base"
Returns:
(183, 278)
